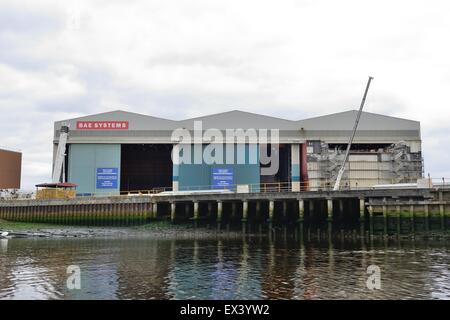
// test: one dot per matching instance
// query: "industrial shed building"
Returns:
(120, 151)
(10, 169)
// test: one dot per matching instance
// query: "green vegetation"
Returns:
(16, 226)
(31, 226)
(162, 225)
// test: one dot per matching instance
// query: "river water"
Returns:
(238, 268)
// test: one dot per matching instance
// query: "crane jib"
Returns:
(349, 145)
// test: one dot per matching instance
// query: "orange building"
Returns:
(10, 169)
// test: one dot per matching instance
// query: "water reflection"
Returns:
(246, 268)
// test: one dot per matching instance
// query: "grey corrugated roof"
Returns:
(241, 119)
(369, 121)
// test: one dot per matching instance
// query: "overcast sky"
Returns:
(177, 59)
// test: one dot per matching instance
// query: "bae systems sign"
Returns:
(102, 125)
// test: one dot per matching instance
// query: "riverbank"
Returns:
(157, 230)
(167, 230)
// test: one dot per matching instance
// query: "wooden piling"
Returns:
(155, 210)
(301, 211)
(362, 208)
(329, 210)
(244, 211)
(144, 212)
(196, 211)
(362, 212)
(244, 215)
(271, 210)
(172, 211)
(219, 211)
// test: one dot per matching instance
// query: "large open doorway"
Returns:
(283, 174)
(145, 166)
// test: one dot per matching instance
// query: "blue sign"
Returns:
(222, 178)
(107, 178)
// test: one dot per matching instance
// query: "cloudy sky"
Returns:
(177, 59)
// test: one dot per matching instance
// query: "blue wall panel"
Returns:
(198, 176)
(84, 159)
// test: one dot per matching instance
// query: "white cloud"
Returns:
(187, 58)
(57, 83)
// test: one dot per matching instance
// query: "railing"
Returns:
(252, 188)
(326, 185)
(266, 187)
(269, 187)
(441, 183)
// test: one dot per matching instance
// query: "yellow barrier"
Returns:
(55, 193)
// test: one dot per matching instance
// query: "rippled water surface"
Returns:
(250, 268)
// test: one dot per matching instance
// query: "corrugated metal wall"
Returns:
(84, 159)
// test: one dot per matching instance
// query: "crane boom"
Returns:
(342, 169)
(60, 154)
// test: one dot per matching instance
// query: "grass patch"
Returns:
(15, 226)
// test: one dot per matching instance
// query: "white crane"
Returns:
(60, 155)
(342, 169)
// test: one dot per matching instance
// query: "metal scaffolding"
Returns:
(365, 168)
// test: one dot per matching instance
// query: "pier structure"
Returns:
(386, 212)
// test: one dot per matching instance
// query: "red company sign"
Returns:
(102, 125)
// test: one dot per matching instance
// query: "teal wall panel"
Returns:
(198, 176)
(84, 159)
(295, 172)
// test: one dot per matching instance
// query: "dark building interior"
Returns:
(145, 166)
(284, 171)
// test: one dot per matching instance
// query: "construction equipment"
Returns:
(59, 188)
(341, 171)
(58, 172)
